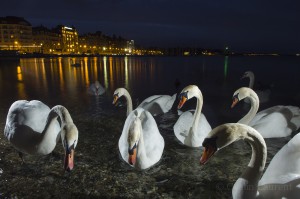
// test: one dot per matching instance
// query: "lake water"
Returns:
(99, 171)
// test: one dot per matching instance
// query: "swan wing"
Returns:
(25, 122)
(96, 89)
(285, 165)
(153, 141)
(30, 113)
(277, 121)
(183, 125)
(158, 104)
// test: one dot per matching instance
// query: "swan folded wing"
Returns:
(154, 142)
(276, 124)
(158, 104)
(264, 113)
(183, 125)
(285, 165)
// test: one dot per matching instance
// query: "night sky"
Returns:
(256, 25)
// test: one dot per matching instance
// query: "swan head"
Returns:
(118, 93)
(134, 134)
(248, 74)
(97, 84)
(188, 93)
(69, 136)
(240, 94)
(218, 138)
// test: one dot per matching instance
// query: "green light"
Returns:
(225, 66)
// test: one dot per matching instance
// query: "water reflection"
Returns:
(112, 72)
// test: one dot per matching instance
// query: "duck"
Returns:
(96, 89)
(191, 128)
(33, 128)
(282, 177)
(156, 104)
(274, 122)
(141, 145)
(263, 93)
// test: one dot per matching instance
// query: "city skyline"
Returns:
(243, 26)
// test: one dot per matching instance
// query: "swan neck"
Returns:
(141, 152)
(62, 113)
(129, 102)
(252, 174)
(254, 101)
(251, 81)
(259, 150)
(197, 112)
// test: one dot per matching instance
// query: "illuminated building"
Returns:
(68, 39)
(130, 46)
(47, 39)
(16, 34)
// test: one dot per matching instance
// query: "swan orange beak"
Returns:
(115, 99)
(132, 157)
(234, 102)
(207, 153)
(182, 101)
(69, 161)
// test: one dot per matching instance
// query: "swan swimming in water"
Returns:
(263, 94)
(32, 128)
(156, 104)
(282, 177)
(191, 129)
(96, 89)
(276, 121)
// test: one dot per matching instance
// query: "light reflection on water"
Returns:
(99, 170)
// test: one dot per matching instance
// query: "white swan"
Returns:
(276, 121)
(191, 129)
(264, 94)
(281, 177)
(32, 128)
(141, 144)
(156, 104)
(96, 89)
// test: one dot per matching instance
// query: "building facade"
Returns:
(16, 34)
(49, 40)
(68, 39)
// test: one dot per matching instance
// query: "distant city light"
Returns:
(68, 28)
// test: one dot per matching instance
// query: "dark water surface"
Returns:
(99, 170)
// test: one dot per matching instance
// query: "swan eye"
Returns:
(236, 97)
(115, 97)
(69, 148)
(130, 150)
(210, 142)
(183, 94)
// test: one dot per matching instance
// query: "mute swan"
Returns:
(156, 104)
(281, 177)
(191, 129)
(141, 144)
(96, 89)
(276, 121)
(264, 94)
(32, 128)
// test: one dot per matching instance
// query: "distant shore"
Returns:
(13, 56)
